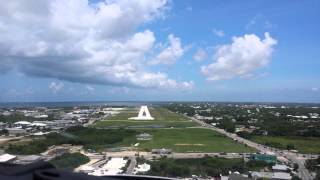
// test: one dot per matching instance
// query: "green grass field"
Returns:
(123, 115)
(188, 140)
(163, 119)
(143, 124)
(179, 138)
(302, 144)
(162, 114)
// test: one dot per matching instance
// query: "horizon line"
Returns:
(163, 101)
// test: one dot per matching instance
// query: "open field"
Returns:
(179, 140)
(143, 124)
(162, 114)
(189, 140)
(123, 115)
(90, 138)
(163, 119)
(302, 144)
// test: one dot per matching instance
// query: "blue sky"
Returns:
(160, 50)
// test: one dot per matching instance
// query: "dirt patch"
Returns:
(189, 145)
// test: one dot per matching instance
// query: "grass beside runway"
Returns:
(143, 124)
(179, 138)
(189, 140)
(302, 144)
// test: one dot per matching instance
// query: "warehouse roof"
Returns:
(6, 157)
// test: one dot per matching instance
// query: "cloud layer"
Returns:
(79, 41)
(200, 55)
(242, 58)
(171, 53)
(55, 87)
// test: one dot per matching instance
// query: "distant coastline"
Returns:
(135, 103)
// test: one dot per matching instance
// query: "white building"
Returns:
(271, 175)
(7, 158)
(22, 123)
(142, 168)
(144, 114)
(38, 124)
(41, 116)
(280, 168)
(27, 159)
(281, 176)
(16, 131)
(113, 167)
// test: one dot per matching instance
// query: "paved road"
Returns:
(132, 165)
(294, 157)
(149, 155)
(93, 120)
(4, 140)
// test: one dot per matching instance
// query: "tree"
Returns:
(228, 125)
(295, 166)
(244, 134)
(311, 164)
(318, 175)
(4, 131)
(295, 177)
(69, 161)
(290, 146)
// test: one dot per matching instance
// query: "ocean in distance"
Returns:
(73, 104)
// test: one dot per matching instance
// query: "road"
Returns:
(294, 157)
(149, 155)
(4, 139)
(132, 165)
(93, 120)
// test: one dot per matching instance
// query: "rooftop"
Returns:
(280, 167)
(6, 157)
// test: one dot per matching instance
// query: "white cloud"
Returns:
(200, 55)
(218, 32)
(242, 58)
(171, 53)
(315, 89)
(90, 88)
(56, 87)
(78, 41)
